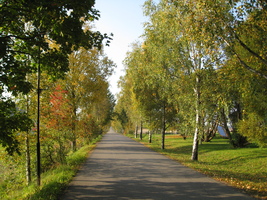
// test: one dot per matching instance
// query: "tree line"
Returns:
(201, 64)
(52, 42)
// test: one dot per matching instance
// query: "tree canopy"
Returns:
(208, 60)
(40, 33)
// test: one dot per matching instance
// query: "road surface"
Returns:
(122, 169)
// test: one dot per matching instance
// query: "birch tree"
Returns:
(188, 49)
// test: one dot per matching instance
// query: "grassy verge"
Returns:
(55, 181)
(243, 168)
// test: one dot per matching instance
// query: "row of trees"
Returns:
(50, 53)
(73, 111)
(202, 64)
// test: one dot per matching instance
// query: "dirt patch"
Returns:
(173, 136)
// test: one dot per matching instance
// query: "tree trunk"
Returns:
(198, 121)
(73, 129)
(150, 136)
(163, 129)
(28, 160)
(28, 155)
(224, 121)
(163, 138)
(61, 152)
(73, 142)
(141, 130)
(136, 131)
(195, 141)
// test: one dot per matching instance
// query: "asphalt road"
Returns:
(120, 168)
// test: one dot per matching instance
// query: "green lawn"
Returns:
(244, 168)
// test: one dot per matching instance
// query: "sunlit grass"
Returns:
(243, 168)
(53, 182)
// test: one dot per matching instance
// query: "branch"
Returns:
(244, 64)
(246, 48)
(21, 38)
(249, 68)
(19, 52)
(250, 50)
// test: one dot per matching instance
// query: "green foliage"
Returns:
(54, 181)
(238, 140)
(12, 173)
(53, 184)
(71, 110)
(77, 158)
(254, 127)
(12, 121)
(40, 33)
(38, 24)
(88, 102)
(207, 59)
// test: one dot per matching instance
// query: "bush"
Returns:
(254, 128)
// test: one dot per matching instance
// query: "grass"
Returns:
(243, 168)
(54, 182)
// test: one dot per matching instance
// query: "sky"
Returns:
(123, 18)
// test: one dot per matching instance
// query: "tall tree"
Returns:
(231, 23)
(183, 49)
(86, 83)
(150, 88)
(57, 116)
(27, 29)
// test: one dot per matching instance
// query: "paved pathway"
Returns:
(120, 168)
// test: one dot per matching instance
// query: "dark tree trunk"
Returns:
(150, 136)
(163, 129)
(163, 138)
(141, 130)
(136, 131)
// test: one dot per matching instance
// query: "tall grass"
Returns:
(53, 182)
(243, 168)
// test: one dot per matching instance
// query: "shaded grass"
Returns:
(243, 168)
(54, 182)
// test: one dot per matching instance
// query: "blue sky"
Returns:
(123, 18)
